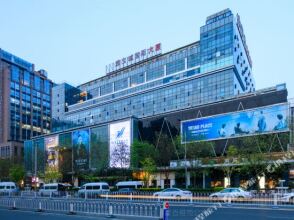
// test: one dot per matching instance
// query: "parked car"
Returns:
(126, 191)
(8, 188)
(53, 189)
(129, 184)
(288, 198)
(173, 192)
(93, 189)
(231, 193)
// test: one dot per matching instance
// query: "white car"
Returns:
(53, 189)
(173, 192)
(288, 197)
(8, 188)
(93, 189)
(232, 193)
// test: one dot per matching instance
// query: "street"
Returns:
(176, 213)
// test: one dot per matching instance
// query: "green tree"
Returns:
(148, 167)
(166, 150)
(52, 174)
(231, 162)
(16, 173)
(140, 151)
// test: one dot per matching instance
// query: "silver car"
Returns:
(173, 192)
(232, 193)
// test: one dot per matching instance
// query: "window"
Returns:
(37, 82)
(26, 80)
(121, 84)
(137, 79)
(175, 66)
(15, 73)
(154, 73)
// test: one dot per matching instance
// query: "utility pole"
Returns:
(186, 169)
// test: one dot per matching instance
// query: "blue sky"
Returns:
(74, 39)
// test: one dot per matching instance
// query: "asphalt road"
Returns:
(176, 213)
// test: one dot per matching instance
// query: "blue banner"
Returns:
(250, 122)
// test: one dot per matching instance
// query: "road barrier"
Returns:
(268, 199)
(83, 206)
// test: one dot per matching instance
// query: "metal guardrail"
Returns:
(83, 206)
(147, 198)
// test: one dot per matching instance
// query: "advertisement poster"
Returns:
(270, 119)
(80, 140)
(51, 145)
(119, 144)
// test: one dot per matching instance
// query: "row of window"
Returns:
(183, 95)
(27, 79)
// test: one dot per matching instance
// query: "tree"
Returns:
(230, 164)
(141, 151)
(166, 150)
(148, 167)
(16, 173)
(52, 174)
(120, 157)
(254, 166)
(195, 153)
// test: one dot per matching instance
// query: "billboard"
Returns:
(51, 145)
(80, 141)
(270, 119)
(119, 144)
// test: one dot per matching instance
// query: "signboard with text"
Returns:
(270, 119)
(134, 58)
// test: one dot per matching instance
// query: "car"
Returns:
(129, 184)
(174, 193)
(53, 189)
(8, 188)
(126, 191)
(288, 198)
(93, 189)
(232, 193)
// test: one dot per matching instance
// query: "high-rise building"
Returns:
(201, 91)
(149, 83)
(25, 104)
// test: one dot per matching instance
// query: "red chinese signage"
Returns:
(134, 58)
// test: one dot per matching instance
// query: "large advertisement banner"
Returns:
(80, 140)
(119, 144)
(51, 145)
(270, 119)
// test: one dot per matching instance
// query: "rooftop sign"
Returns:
(134, 58)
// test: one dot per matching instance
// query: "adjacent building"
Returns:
(25, 104)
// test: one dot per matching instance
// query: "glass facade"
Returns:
(30, 104)
(78, 150)
(179, 96)
(199, 73)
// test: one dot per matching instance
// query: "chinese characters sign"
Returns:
(134, 58)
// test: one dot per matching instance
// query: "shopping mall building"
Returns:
(201, 91)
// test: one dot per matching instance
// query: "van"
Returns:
(8, 188)
(129, 184)
(93, 189)
(53, 189)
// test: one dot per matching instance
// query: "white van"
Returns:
(93, 189)
(129, 184)
(53, 189)
(8, 188)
